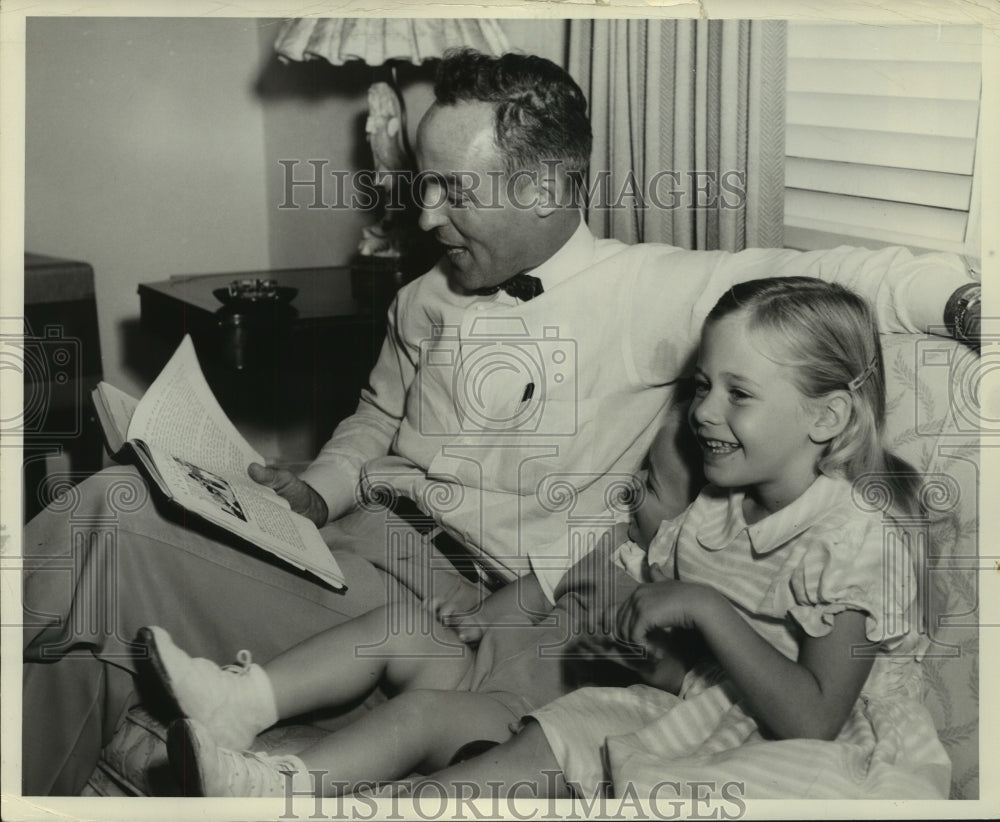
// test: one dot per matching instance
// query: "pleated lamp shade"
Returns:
(376, 41)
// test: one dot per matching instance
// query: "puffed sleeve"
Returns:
(635, 561)
(858, 566)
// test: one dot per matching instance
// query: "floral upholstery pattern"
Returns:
(933, 422)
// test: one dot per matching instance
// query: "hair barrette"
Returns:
(862, 378)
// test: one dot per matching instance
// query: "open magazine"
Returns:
(191, 450)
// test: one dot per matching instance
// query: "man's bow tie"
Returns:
(521, 286)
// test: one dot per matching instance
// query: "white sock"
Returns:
(302, 780)
(266, 713)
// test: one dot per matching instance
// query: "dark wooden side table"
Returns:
(308, 369)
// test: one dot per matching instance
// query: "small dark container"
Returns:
(253, 322)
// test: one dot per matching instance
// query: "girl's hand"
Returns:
(659, 605)
(461, 606)
(457, 603)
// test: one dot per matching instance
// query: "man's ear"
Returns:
(552, 190)
(832, 413)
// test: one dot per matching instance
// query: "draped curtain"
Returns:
(688, 119)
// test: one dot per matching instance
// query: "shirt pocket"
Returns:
(554, 439)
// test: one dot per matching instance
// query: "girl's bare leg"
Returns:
(523, 767)
(418, 730)
(336, 668)
(346, 663)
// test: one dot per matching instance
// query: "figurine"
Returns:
(384, 129)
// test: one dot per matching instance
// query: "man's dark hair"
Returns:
(541, 113)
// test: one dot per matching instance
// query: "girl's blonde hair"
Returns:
(829, 336)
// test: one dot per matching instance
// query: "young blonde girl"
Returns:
(811, 687)
(809, 684)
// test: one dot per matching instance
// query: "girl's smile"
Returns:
(717, 447)
(755, 427)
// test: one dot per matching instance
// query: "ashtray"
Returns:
(241, 292)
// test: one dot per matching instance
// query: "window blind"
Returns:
(881, 130)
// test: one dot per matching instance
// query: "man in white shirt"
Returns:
(513, 423)
(508, 427)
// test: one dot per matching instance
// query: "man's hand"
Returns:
(301, 496)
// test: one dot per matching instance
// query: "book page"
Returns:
(115, 410)
(180, 415)
(247, 513)
(142, 455)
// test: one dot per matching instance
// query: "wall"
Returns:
(310, 112)
(144, 147)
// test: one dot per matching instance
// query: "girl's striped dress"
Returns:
(787, 575)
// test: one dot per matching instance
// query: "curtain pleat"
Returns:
(688, 119)
(766, 133)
